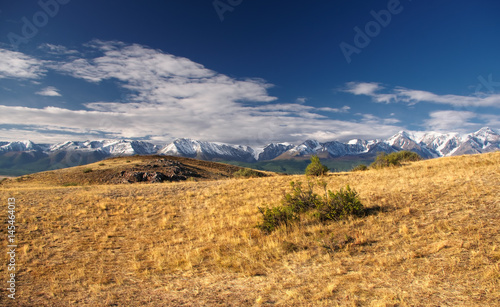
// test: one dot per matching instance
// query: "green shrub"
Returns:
(337, 206)
(394, 159)
(247, 173)
(301, 200)
(102, 164)
(333, 206)
(276, 216)
(360, 167)
(316, 168)
(87, 170)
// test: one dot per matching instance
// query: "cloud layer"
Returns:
(169, 96)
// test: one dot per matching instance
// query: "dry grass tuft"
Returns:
(430, 237)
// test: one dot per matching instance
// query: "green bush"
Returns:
(247, 173)
(87, 170)
(316, 168)
(394, 159)
(333, 206)
(337, 206)
(360, 167)
(276, 216)
(301, 200)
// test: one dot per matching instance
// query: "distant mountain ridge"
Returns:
(428, 145)
(33, 157)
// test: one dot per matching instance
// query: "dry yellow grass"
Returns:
(431, 238)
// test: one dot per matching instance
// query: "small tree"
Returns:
(316, 168)
(394, 159)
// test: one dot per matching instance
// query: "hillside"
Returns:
(298, 165)
(121, 170)
(430, 237)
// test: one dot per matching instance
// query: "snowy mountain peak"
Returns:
(274, 150)
(486, 130)
(18, 146)
(401, 139)
(486, 135)
(306, 148)
(357, 142)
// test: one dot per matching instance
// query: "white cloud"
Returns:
(156, 77)
(14, 64)
(460, 121)
(462, 118)
(301, 100)
(362, 88)
(57, 49)
(49, 91)
(344, 109)
(415, 96)
(450, 121)
(372, 119)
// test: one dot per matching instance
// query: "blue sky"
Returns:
(246, 72)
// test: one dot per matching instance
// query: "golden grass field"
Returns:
(431, 238)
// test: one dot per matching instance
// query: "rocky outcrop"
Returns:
(158, 171)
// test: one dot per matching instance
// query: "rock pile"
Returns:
(158, 171)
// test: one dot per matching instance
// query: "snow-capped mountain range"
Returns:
(428, 145)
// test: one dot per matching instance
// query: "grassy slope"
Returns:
(299, 166)
(432, 238)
